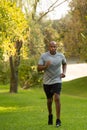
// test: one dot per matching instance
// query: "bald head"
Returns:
(52, 43)
(52, 47)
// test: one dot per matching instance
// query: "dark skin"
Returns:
(52, 49)
(56, 97)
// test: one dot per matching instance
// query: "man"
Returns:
(51, 63)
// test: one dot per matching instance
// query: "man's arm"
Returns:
(63, 74)
(43, 67)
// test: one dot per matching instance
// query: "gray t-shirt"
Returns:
(52, 73)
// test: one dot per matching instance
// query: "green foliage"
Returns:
(1, 54)
(76, 24)
(4, 72)
(83, 49)
(28, 75)
(72, 30)
(36, 40)
(50, 34)
(12, 25)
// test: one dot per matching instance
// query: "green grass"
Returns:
(77, 87)
(27, 110)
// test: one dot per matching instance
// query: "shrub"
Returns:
(28, 75)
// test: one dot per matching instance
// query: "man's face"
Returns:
(52, 48)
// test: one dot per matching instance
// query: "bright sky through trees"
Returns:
(58, 12)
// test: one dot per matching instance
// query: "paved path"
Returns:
(75, 71)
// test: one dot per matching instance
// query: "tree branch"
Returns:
(51, 8)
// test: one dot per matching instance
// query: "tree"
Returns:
(76, 29)
(13, 26)
(35, 42)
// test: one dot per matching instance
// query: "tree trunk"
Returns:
(14, 68)
(13, 78)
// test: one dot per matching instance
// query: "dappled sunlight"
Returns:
(3, 90)
(15, 109)
(7, 109)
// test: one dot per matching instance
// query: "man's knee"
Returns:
(56, 97)
(49, 100)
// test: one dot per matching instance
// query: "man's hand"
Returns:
(47, 64)
(62, 75)
(43, 67)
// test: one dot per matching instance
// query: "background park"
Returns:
(24, 35)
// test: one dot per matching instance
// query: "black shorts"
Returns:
(51, 89)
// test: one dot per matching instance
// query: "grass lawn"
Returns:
(27, 110)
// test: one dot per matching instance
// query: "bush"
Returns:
(28, 75)
(4, 72)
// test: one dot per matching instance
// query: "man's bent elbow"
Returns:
(38, 68)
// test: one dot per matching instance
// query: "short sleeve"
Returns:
(63, 60)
